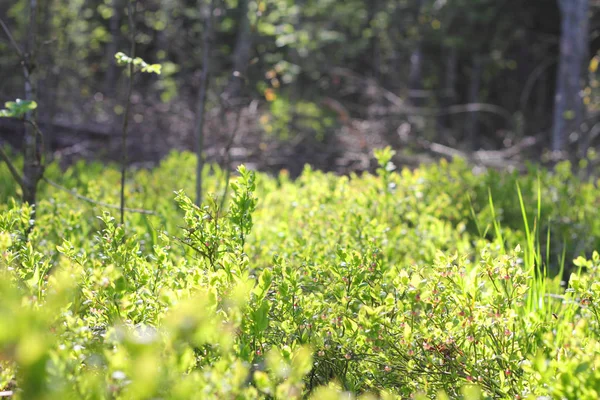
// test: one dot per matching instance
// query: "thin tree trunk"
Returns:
(568, 104)
(474, 88)
(32, 167)
(241, 54)
(204, 82)
(132, 5)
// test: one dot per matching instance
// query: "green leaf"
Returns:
(17, 108)
(261, 317)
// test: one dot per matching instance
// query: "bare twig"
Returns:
(96, 202)
(6, 393)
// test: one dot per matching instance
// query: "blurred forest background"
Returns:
(321, 82)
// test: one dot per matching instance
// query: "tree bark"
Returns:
(568, 103)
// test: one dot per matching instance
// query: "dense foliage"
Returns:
(435, 282)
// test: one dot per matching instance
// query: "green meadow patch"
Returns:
(434, 283)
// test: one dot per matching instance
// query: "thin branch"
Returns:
(132, 5)
(12, 40)
(11, 167)
(96, 202)
(7, 393)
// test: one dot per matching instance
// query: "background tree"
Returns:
(570, 80)
(33, 145)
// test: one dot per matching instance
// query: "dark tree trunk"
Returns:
(568, 104)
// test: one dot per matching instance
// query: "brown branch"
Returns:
(96, 202)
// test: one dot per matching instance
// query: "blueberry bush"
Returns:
(434, 283)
